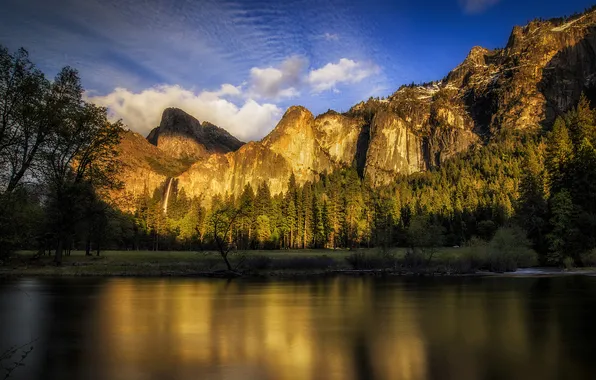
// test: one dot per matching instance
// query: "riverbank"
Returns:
(260, 264)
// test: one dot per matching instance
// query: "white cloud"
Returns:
(344, 71)
(228, 89)
(476, 6)
(238, 109)
(278, 82)
(142, 111)
(331, 36)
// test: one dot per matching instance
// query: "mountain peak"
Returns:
(183, 136)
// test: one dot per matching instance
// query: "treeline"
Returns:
(558, 194)
(57, 158)
(470, 196)
(542, 183)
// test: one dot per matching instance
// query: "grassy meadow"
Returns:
(462, 260)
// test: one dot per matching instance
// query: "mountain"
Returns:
(538, 75)
(182, 136)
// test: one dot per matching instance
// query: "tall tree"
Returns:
(559, 152)
(532, 210)
(27, 106)
(81, 157)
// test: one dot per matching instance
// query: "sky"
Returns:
(241, 64)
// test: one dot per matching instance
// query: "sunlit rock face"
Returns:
(541, 73)
(338, 136)
(182, 136)
(144, 168)
(292, 147)
(394, 148)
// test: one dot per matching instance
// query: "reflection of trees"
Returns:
(277, 331)
(343, 328)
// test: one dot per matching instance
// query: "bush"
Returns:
(415, 258)
(473, 256)
(510, 249)
(303, 263)
(363, 261)
(568, 263)
(588, 259)
(256, 262)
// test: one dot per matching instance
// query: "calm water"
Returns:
(340, 328)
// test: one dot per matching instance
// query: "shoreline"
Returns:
(57, 272)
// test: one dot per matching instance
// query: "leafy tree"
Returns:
(81, 158)
(28, 115)
(561, 221)
(426, 235)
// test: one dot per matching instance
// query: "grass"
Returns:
(277, 262)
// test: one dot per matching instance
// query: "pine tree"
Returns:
(532, 210)
(583, 125)
(559, 152)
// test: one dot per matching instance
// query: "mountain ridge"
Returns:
(183, 136)
(539, 74)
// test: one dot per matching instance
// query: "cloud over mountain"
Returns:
(281, 82)
(141, 111)
(344, 71)
(247, 111)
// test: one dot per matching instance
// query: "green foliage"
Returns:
(256, 262)
(568, 263)
(369, 261)
(510, 249)
(561, 210)
(47, 126)
(588, 259)
(303, 263)
(423, 232)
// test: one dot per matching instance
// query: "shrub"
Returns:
(588, 259)
(302, 263)
(568, 262)
(256, 262)
(510, 249)
(363, 261)
(415, 258)
(474, 255)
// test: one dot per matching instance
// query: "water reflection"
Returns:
(341, 328)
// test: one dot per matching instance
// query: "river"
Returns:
(327, 328)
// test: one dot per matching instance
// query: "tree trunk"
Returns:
(304, 235)
(88, 246)
(58, 256)
(225, 257)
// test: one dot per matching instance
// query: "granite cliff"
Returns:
(182, 136)
(538, 75)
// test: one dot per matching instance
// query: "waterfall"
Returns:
(165, 202)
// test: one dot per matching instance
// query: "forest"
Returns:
(59, 159)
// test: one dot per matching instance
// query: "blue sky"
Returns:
(241, 64)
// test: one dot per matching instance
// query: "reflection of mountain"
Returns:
(539, 74)
(341, 328)
(283, 331)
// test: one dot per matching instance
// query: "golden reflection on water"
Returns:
(333, 329)
(235, 330)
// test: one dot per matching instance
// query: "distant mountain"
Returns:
(540, 74)
(182, 136)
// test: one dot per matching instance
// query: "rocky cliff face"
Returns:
(541, 73)
(182, 136)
